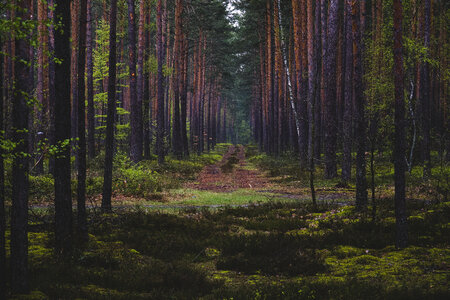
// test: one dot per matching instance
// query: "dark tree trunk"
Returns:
(361, 128)
(135, 102)
(146, 101)
(320, 30)
(176, 135)
(19, 216)
(81, 162)
(184, 91)
(51, 83)
(312, 59)
(111, 111)
(75, 14)
(160, 85)
(141, 78)
(330, 91)
(400, 124)
(425, 95)
(90, 81)
(347, 133)
(3, 276)
(63, 195)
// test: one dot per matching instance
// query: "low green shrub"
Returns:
(41, 187)
(137, 181)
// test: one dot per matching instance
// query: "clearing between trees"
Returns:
(243, 229)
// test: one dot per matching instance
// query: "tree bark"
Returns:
(63, 195)
(51, 82)
(81, 162)
(400, 124)
(147, 95)
(347, 133)
(361, 128)
(160, 84)
(111, 111)
(312, 59)
(20, 110)
(141, 75)
(3, 276)
(135, 101)
(184, 91)
(176, 133)
(90, 81)
(330, 91)
(425, 94)
(42, 81)
(75, 14)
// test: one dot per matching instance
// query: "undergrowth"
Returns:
(270, 251)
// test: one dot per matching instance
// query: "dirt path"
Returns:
(230, 174)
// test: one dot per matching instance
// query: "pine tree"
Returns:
(81, 130)
(63, 194)
(20, 112)
(111, 111)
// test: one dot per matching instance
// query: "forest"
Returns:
(224, 149)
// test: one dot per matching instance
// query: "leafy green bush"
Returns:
(42, 187)
(137, 181)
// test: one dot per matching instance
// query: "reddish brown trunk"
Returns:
(330, 91)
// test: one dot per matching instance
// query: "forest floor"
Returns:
(233, 182)
(244, 228)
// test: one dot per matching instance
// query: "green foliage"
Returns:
(101, 70)
(284, 165)
(137, 181)
(251, 253)
(41, 187)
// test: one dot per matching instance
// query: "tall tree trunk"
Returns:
(81, 163)
(303, 87)
(319, 116)
(147, 94)
(269, 79)
(347, 133)
(42, 80)
(178, 57)
(19, 215)
(111, 111)
(51, 82)
(63, 195)
(141, 74)
(3, 276)
(330, 91)
(184, 91)
(90, 81)
(400, 124)
(135, 102)
(425, 94)
(311, 95)
(75, 11)
(160, 85)
(278, 81)
(361, 128)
